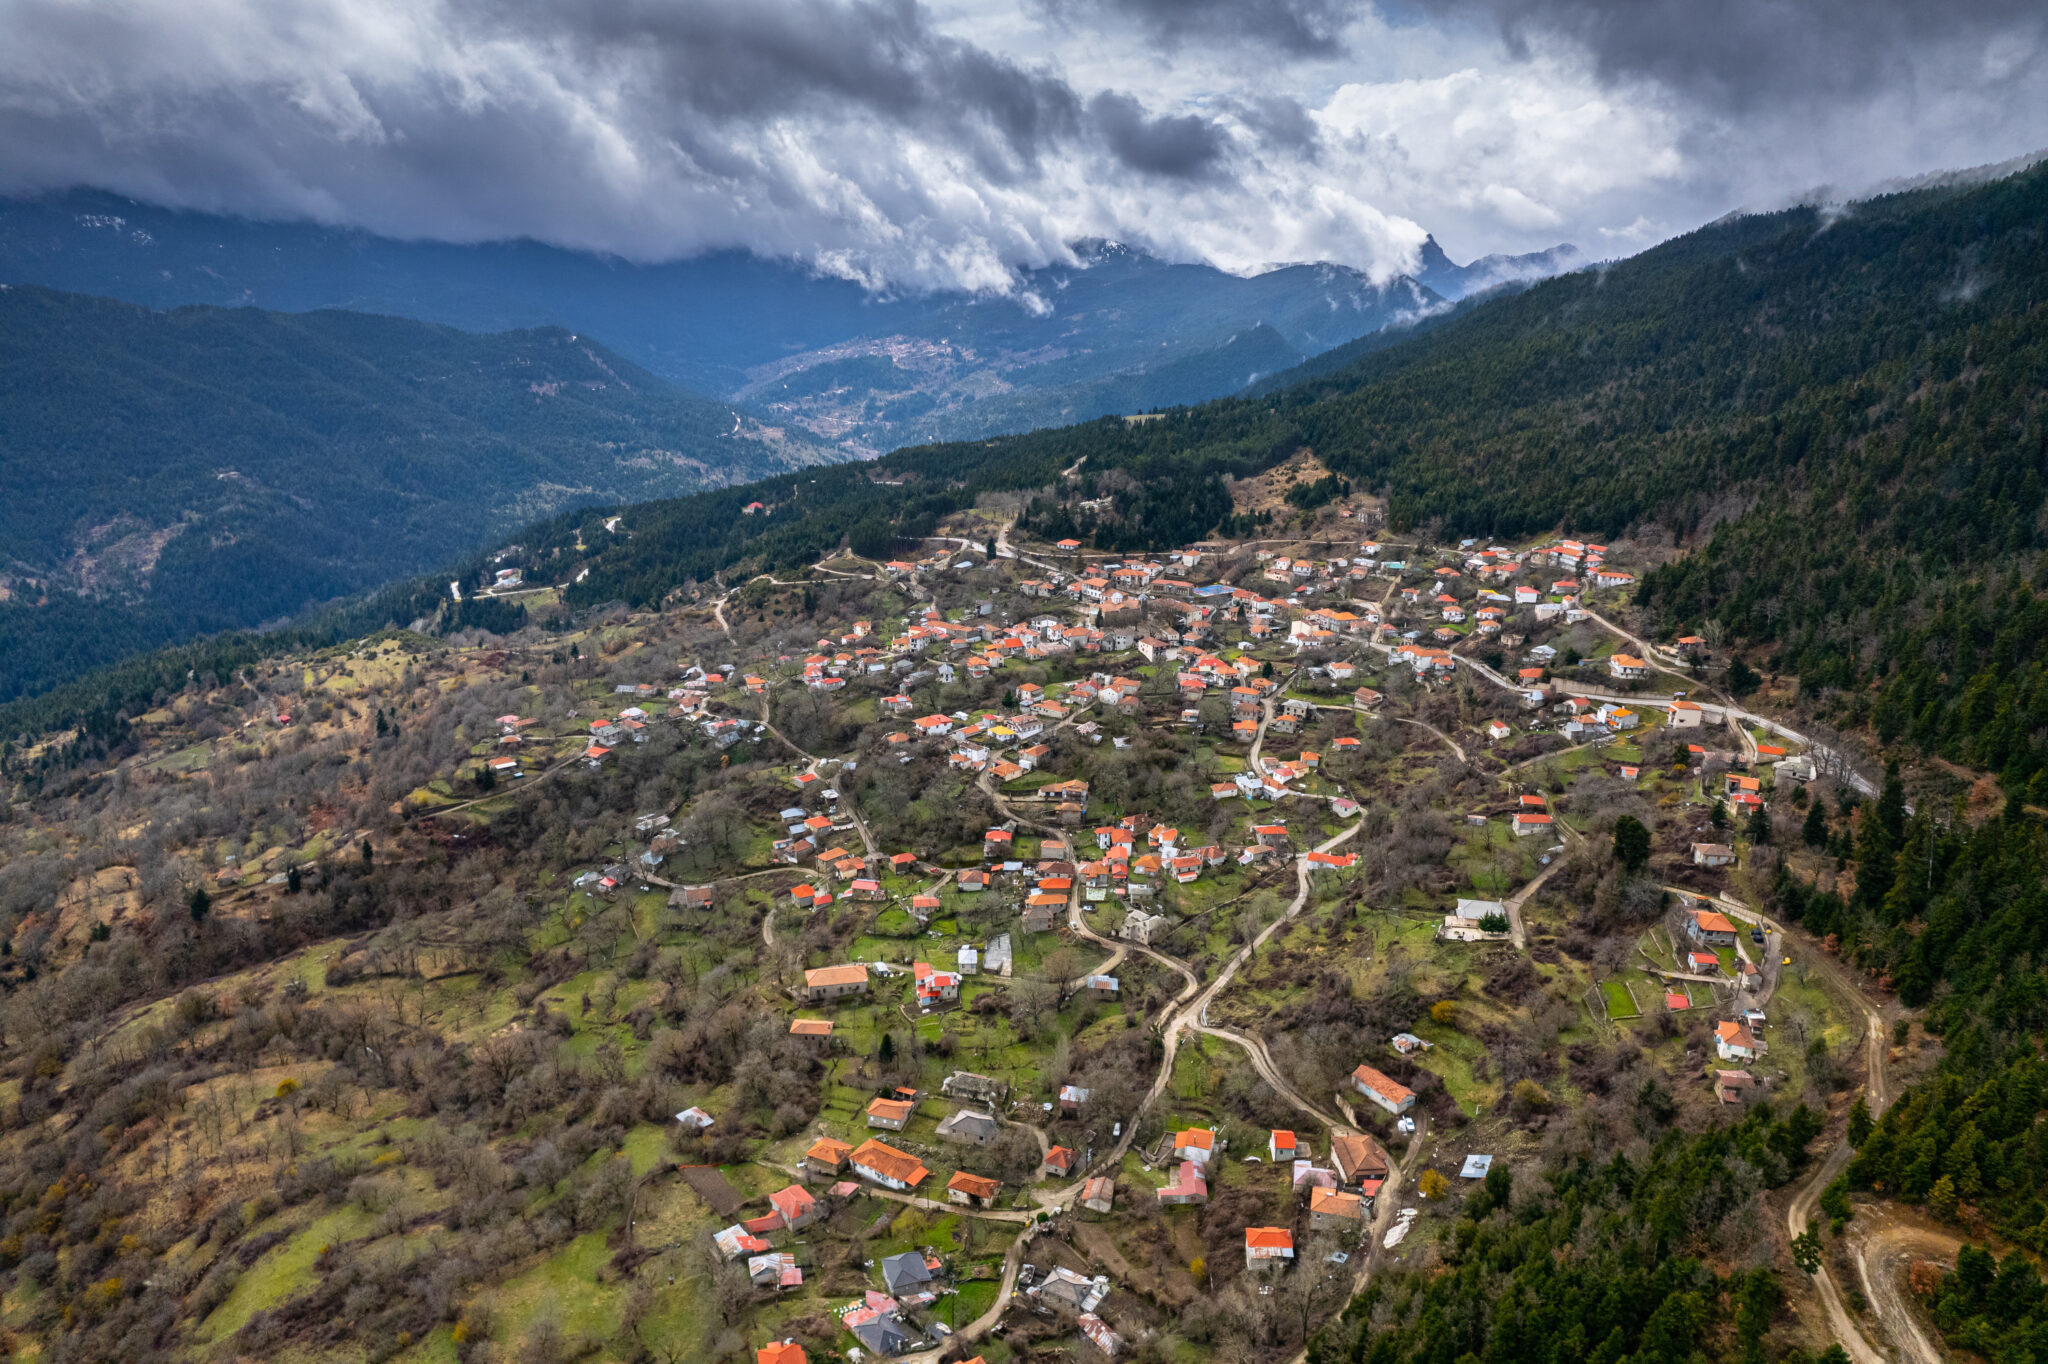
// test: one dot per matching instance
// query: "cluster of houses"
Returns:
(1339, 1193)
(1062, 1292)
(1473, 591)
(1737, 1040)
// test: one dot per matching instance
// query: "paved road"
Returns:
(1188, 1011)
(1184, 1013)
(1190, 1004)
(1251, 759)
(1254, 1047)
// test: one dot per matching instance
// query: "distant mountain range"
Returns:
(164, 474)
(1437, 273)
(1119, 330)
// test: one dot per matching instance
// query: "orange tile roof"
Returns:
(1268, 1238)
(886, 1160)
(810, 1027)
(792, 1202)
(828, 1149)
(1382, 1085)
(974, 1186)
(1353, 1152)
(849, 974)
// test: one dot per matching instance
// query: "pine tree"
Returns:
(1631, 844)
(1814, 833)
(1860, 1125)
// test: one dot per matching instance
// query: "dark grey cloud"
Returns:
(1297, 27)
(842, 131)
(1744, 54)
(729, 60)
(1280, 122)
(1179, 146)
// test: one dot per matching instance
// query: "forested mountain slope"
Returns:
(164, 474)
(1841, 414)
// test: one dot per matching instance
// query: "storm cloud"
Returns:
(948, 142)
(1182, 146)
(1749, 54)
(1297, 27)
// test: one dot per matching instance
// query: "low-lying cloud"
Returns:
(949, 143)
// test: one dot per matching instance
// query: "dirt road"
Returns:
(1453, 744)
(1252, 1045)
(1877, 1094)
(1883, 1240)
(1513, 904)
(1385, 1205)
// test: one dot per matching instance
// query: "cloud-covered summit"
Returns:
(949, 143)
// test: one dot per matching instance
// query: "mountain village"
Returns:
(1148, 931)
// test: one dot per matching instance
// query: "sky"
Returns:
(924, 143)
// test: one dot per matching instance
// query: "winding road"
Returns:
(1187, 1013)
(1883, 1246)
(1799, 1213)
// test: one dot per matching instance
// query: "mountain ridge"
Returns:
(1436, 270)
(716, 323)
